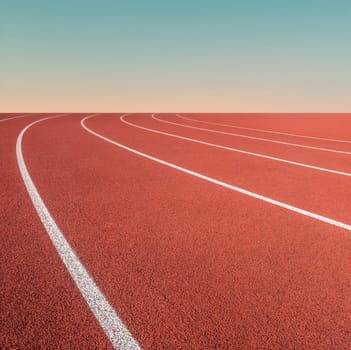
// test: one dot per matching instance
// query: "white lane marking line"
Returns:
(262, 130)
(18, 116)
(220, 183)
(113, 327)
(238, 150)
(255, 138)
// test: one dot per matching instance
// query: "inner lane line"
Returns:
(16, 117)
(111, 324)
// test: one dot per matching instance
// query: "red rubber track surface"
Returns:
(40, 306)
(323, 193)
(8, 116)
(328, 125)
(185, 263)
(336, 161)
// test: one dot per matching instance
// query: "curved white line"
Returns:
(113, 327)
(18, 116)
(220, 183)
(262, 130)
(255, 138)
(238, 150)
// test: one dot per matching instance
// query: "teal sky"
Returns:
(201, 56)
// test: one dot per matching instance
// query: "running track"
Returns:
(192, 231)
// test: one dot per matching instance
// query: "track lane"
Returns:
(322, 193)
(338, 162)
(4, 115)
(8, 118)
(211, 179)
(40, 305)
(233, 277)
(256, 131)
(260, 138)
(109, 321)
(231, 149)
(319, 125)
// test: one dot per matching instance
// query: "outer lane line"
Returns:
(254, 138)
(18, 116)
(218, 182)
(239, 150)
(262, 130)
(112, 325)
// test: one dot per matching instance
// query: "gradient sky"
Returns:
(180, 55)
